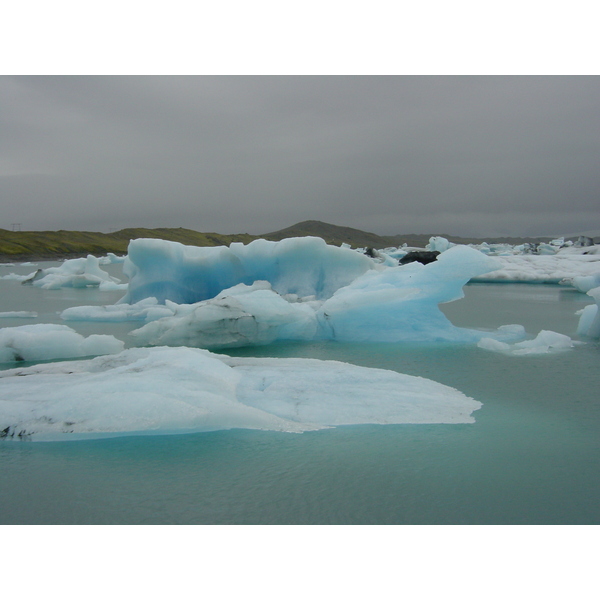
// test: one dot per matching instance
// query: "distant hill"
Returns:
(336, 235)
(24, 245)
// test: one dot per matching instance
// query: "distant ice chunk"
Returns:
(188, 274)
(111, 259)
(589, 321)
(181, 390)
(19, 314)
(44, 341)
(15, 277)
(144, 310)
(438, 244)
(544, 343)
(76, 273)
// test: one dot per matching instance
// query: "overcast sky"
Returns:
(463, 155)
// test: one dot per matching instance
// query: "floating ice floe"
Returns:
(15, 277)
(589, 321)
(44, 341)
(111, 259)
(144, 310)
(544, 343)
(18, 314)
(76, 273)
(181, 390)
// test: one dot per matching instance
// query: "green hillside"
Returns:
(24, 245)
(18, 245)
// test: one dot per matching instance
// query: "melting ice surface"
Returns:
(179, 390)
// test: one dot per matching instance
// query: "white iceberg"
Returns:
(15, 277)
(181, 390)
(439, 244)
(144, 310)
(541, 269)
(45, 341)
(76, 273)
(589, 321)
(544, 343)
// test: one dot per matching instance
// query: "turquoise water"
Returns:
(532, 456)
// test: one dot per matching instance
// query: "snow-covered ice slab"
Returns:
(188, 274)
(181, 390)
(45, 341)
(541, 269)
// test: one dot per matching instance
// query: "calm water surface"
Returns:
(533, 455)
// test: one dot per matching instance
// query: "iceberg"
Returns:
(182, 390)
(544, 343)
(401, 304)
(76, 273)
(239, 316)
(188, 274)
(45, 341)
(439, 244)
(589, 321)
(390, 304)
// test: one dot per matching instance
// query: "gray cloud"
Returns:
(461, 155)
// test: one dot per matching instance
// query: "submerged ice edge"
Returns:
(183, 390)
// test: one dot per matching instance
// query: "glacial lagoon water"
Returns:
(531, 457)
